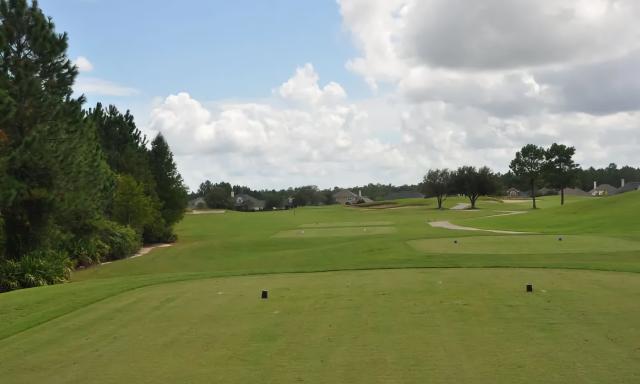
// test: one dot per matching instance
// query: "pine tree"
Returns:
(54, 176)
(36, 79)
(169, 184)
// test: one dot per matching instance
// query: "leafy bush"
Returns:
(42, 267)
(121, 241)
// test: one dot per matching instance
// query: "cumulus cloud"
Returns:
(508, 57)
(318, 139)
(303, 88)
(83, 64)
(464, 83)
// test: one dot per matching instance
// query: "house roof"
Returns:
(575, 192)
(628, 187)
(344, 193)
(244, 198)
(514, 189)
(609, 189)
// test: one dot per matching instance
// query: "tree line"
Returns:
(532, 168)
(78, 187)
(218, 195)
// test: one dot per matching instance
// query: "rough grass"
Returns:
(159, 318)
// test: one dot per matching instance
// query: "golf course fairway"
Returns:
(355, 296)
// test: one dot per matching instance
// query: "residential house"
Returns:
(603, 190)
(244, 202)
(197, 203)
(628, 187)
(346, 197)
(515, 192)
(546, 192)
(575, 192)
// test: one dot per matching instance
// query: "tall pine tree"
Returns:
(54, 173)
(169, 184)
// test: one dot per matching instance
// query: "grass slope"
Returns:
(160, 317)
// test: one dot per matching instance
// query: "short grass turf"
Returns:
(525, 244)
(344, 231)
(408, 326)
(191, 313)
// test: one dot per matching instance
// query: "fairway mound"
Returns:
(448, 225)
(524, 244)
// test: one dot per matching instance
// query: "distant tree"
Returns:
(169, 184)
(437, 182)
(219, 196)
(306, 195)
(474, 183)
(560, 169)
(529, 166)
(204, 188)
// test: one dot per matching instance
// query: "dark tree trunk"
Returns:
(561, 196)
(533, 193)
(473, 199)
(439, 197)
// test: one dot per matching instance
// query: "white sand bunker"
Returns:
(143, 251)
(206, 212)
(448, 225)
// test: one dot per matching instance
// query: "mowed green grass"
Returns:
(408, 326)
(338, 231)
(349, 307)
(525, 244)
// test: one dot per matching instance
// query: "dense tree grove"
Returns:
(77, 187)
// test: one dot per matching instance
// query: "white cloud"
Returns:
(303, 88)
(464, 83)
(83, 64)
(100, 87)
(499, 55)
(383, 139)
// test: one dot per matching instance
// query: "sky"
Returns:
(280, 93)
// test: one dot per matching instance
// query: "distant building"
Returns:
(346, 197)
(515, 192)
(575, 192)
(603, 190)
(197, 203)
(244, 202)
(546, 191)
(404, 195)
(628, 187)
